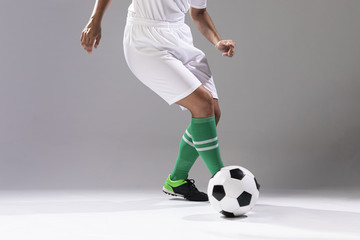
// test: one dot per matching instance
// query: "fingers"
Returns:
(231, 51)
(87, 40)
(229, 48)
(97, 41)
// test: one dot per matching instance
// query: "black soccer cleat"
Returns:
(184, 188)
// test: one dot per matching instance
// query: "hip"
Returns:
(161, 34)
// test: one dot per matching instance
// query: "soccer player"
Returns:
(159, 50)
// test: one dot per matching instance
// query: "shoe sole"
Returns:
(172, 193)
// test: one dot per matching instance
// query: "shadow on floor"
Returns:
(92, 206)
(301, 219)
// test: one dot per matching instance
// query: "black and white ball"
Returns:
(233, 191)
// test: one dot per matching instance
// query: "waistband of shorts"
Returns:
(154, 23)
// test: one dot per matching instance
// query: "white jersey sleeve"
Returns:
(200, 4)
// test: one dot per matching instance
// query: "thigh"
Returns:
(195, 60)
(161, 72)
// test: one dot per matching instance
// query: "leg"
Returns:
(203, 130)
(187, 152)
(217, 111)
(203, 126)
(200, 103)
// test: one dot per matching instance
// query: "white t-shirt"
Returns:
(164, 10)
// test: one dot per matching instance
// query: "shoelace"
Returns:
(191, 183)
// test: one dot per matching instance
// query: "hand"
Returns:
(227, 47)
(90, 35)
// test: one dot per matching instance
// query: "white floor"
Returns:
(105, 215)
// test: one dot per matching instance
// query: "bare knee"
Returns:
(217, 111)
(204, 107)
(200, 103)
(217, 116)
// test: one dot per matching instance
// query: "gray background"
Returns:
(290, 98)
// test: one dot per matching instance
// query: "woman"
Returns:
(159, 50)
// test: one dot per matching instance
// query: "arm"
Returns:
(203, 22)
(92, 31)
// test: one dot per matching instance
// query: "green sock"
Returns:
(205, 140)
(186, 157)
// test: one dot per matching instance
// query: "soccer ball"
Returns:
(233, 191)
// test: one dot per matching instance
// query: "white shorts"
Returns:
(162, 56)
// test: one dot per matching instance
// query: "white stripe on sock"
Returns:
(207, 148)
(187, 133)
(188, 142)
(206, 141)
